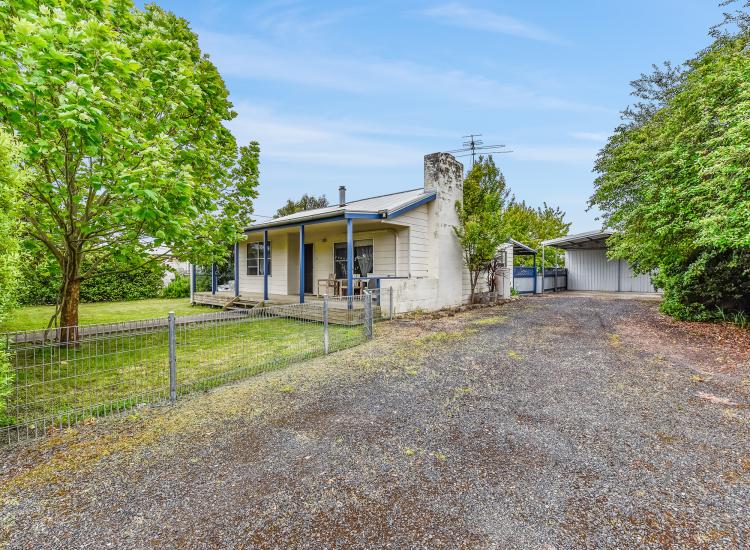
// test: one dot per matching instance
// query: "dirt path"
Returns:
(541, 423)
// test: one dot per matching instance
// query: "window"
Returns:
(363, 260)
(255, 258)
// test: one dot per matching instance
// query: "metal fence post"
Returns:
(368, 314)
(325, 324)
(172, 358)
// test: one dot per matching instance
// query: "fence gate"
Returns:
(524, 279)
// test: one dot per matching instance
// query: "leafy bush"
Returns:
(179, 287)
(713, 286)
(41, 279)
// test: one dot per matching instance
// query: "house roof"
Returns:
(589, 239)
(379, 207)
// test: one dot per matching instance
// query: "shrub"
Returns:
(711, 286)
(179, 287)
(41, 279)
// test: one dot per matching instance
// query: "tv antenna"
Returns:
(473, 147)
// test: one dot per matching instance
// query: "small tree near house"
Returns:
(481, 229)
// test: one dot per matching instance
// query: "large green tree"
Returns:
(531, 226)
(123, 122)
(306, 202)
(674, 178)
(12, 179)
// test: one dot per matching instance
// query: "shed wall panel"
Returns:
(592, 270)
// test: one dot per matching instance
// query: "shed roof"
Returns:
(381, 206)
(520, 249)
(588, 240)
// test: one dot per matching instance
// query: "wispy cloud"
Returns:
(244, 57)
(293, 19)
(589, 136)
(461, 15)
(307, 140)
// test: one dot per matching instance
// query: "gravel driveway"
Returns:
(541, 423)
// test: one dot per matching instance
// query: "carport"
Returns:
(589, 268)
(524, 277)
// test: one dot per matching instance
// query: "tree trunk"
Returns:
(473, 279)
(69, 308)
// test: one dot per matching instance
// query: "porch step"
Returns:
(240, 304)
(217, 301)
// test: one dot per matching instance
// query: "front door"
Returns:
(308, 269)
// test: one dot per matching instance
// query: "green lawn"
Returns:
(35, 317)
(59, 385)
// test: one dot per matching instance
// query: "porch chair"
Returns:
(330, 284)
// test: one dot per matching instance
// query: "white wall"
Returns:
(444, 173)
(277, 281)
(414, 257)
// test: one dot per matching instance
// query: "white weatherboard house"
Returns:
(402, 241)
(589, 268)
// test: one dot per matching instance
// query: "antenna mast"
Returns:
(473, 147)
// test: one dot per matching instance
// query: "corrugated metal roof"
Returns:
(381, 204)
(520, 249)
(579, 240)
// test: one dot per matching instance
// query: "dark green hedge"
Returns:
(714, 284)
(40, 281)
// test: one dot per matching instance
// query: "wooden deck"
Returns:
(339, 311)
(252, 299)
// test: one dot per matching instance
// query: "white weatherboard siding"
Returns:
(415, 249)
(277, 281)
(592, 270)
(416, 255)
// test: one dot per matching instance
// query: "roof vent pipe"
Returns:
(342, 195)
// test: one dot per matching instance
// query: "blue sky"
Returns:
(355, 94)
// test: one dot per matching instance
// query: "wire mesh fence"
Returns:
(63, 376)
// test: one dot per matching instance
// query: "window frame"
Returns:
(258, 260)
(354, 245)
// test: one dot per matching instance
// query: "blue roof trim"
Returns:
(363, 215)
(412, 206)
(294, 224)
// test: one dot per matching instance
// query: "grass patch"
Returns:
(37, 317)
(108, 373)
(488, 321)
